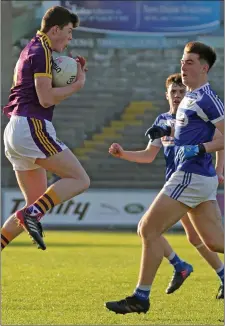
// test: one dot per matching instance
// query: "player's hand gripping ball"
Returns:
(64, 71)
(81, 60)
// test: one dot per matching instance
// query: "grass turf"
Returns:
(69, 282)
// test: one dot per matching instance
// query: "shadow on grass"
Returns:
(96, 245)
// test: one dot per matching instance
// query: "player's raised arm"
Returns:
(145, 156)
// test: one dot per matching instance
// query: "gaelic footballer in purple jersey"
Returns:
(35, 60)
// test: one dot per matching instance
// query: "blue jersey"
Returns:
(167, 143)
(195, 124)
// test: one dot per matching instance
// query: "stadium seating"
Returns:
(124, 92)
(129, 131)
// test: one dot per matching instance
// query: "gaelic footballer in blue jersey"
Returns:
(193, 186)
(175, 92)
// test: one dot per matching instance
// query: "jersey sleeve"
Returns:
(212, 107)
(157, 142)
(41, 61)
(162, 121)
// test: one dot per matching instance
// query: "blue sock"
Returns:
(178, 264)
(220, 273)
(142, 292)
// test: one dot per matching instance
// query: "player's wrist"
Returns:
(201, 149)
(78, 84)
(219, 171)
(124, 154)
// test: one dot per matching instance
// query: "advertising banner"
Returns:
(93, 208)
(96, 207)
(157, 18)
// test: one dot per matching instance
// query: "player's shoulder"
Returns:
(35, 46)
(164, 116)
(163, 119)
(207, 97)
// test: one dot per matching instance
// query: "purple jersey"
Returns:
(35, 60)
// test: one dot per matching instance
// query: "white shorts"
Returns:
(27, 139)
(191, 189)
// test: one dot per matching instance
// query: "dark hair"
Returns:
(58, 16)
(204, 51)
(174, 79)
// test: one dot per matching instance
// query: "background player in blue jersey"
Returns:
(30, 139)
(175, 92)
(193, 186)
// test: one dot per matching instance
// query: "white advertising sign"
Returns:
(96, 207)
(93, 208)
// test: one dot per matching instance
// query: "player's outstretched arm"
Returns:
(49, 95)
(145, 156)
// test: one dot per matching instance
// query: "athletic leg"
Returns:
(162, 214)
(182, 192)
(181, 268)
(207, 220)
(26, 181)
(74, 181)
(211, 257)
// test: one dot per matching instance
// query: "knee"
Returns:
(148, 234)
(82, 178)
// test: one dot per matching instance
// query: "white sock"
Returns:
(144, 287)
(171, 256)
(220, 269)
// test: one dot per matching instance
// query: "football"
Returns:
(64, 71)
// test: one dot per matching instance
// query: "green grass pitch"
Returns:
(69, 282)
